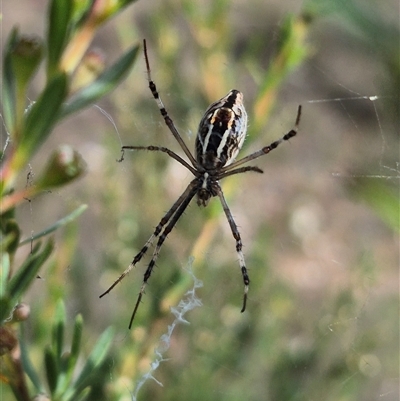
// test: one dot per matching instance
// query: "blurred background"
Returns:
(319, 229)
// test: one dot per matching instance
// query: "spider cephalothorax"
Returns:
(220, 137)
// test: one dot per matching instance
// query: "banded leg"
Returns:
(240, 170)
(236, 235)
(266, 149)
(163, 111)
(158, 149)
(190, 192)
(167, 217)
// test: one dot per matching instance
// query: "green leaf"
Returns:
(124, 3)
(21, 60)
(83, 394)
(4, 271)
(10, 238)
(28, 367)
(60, 13)
(104, 84)
(9, 90)
(58, 330)
(50, 362)
(60, 223)
(69, 360)
(80, 11)
(28, 270)
(76, 341)
(95, 359)
(6, 308)
(43, 115)
(5, 302)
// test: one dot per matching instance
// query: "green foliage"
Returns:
(20, 281)
(63, 381)
(102, 85)
(59, 28)
(28, 127)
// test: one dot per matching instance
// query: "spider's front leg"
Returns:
(168, 120)
(236, 235)
(153, 148)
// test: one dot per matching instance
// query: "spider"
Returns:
(220, 136)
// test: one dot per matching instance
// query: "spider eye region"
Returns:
(221, 132)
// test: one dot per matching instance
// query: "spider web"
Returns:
(347, 330)
(348, 326)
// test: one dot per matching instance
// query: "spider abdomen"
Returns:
(221, 132)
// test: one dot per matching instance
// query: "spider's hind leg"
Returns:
(236, 235)
(184, 201)
(170, 215)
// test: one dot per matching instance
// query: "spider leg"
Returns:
(266, 149)
(158, 149)
(239, 171)
(163, 111)
(189, 193)
(236, 235)
(167, 217)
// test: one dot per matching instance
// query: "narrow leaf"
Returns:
(44, 114)
(60, 13)
(76, 341)
(104, 84)
(69, 359)
(9, 89)
(60, 223)
(58, 330)
(124, 3)
(4, 271)
(83, 395)
(11, 232)
(28, 367)
(28, 270)
(51, 369)
(96, 357)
